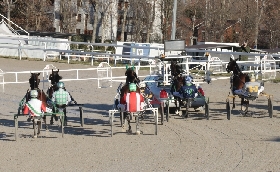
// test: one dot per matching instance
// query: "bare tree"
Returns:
(8, 6)
(125, 6)
(166, 7)
(68, 13)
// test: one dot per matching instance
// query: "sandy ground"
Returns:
(193, 144)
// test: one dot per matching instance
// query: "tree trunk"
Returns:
(95, 22)
(124, 21)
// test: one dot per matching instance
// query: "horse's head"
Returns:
(131, 75)
(34, 81)
(54, 77)
(232, 66)
(175, 69)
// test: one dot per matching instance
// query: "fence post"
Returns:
(19, 51)
(45, 52)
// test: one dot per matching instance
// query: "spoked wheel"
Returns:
(188, 103)
(270, 107)
(228, 109)
(207, 108)
(245, 112)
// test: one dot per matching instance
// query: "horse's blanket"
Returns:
(133, 101)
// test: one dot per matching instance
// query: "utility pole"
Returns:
(174, 20)
(257, 23)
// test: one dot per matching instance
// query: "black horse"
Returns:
(131, 77)
(34, 85)
(55, 78)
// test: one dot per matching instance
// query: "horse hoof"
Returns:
(138, 132)
(35, 136)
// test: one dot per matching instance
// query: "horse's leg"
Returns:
(137, 125)
(233, 102)
(128, 121)
(39, 123)
(124, 120)
(65, 117)
(34, 128)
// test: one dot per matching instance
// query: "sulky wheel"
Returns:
(161, 113)
(270, 107)
(228, 109)
(167, 111)
(187, 108)
(207, 109)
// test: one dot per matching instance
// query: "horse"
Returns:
(238, 80)
(54, 78)
(34, 82)
(176, 85)
(175, 69)
(34, 85)
(131, 77)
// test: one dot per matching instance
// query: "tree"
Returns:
(124, 9)
(165, 10)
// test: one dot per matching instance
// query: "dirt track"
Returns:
(193, 144)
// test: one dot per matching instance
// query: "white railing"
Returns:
(16, 75)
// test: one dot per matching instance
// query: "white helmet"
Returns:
(142, 84)
(33, 93)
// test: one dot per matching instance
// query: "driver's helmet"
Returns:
(60, 85)
(142, 84)
(132, 87)
(188, 79)
(33, 93)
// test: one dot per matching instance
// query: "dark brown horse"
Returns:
(237, 80)
(54, 78)
(34, 85)
(131, 77)
(175, 69)
(34, 82)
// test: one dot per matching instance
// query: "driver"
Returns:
(34, 107)
(188, 90)
(145, 91)
(132, 99)
(61, 96)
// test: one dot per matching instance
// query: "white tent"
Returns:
(13, 46)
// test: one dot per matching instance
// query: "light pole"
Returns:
(174, 20)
